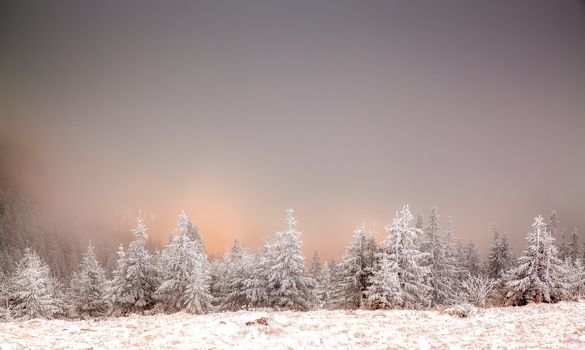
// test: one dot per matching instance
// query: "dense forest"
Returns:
(49, 270)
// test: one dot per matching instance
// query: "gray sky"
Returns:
(344, 111)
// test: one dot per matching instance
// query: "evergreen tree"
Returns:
(579, 279)
(573, 248)
(455, 252)
(420, 222)
(140, 273)
(500, 257)
(117, 293)
(134, 282)
(256, 283)
(186, 281)
(88, 292)
(384, 291)
(325, 288)
(186, 227)
(553, 223)
(315, 270)
(441, 262)
(354, 270)
(563, 245)
(33, 289)
(290, 286)
(239, 269)
(401, 279)
(218, 273)
(472, 261)
(539, 276)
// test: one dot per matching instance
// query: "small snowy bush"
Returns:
(477, 289)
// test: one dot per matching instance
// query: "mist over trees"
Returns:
(419, 265)
(60, 244)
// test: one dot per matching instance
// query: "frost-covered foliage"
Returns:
(256, 285)
(500, 258)
(384, 291)
(5, 312)
(239, 265)
(186, 279)
(402, 262)
(539, 276)
(573, 246)
(87, 294)
(116, 292)
(316, 271)
(355, 270)
(442, 261)
(577, 273)
(134, 282)
(324, 288)
(477, 289)
(553, 223)
(33, 289)
(415, 267)
(290, 286)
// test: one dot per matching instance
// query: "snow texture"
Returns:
(527, 327)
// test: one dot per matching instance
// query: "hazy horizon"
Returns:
(344, 111)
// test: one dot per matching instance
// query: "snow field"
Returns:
(535, 326)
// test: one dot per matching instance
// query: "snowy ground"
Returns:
(559, 326)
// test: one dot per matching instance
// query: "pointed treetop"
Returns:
(496, 231)
(183, 219)
(402, 219)
(553, 221)
(290, 218)
(420, 221)
(538, 223)
(360, 231)
(236, 249)
(140, 230)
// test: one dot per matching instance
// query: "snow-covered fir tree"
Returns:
(218, 273)
(442, 262)
(239, 269)
(117, 294)
(455, 252)
(553, 223)
(563, 245)
(134, 280)
(384, 291)
(187, 228)
(33, 289)
(500, 257)
(578, 287)
(325, 288)
(420, 222)
(472, 260)
(316, 272)
(5, 312)
(256, 283)
(539, 276)
(140, 274)
(87, 294)
(316, 267)
(186, 281)
(355, 270)
(572, 279)
(573, 247)
(401, 280)
(290, 286)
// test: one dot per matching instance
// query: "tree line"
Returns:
(419, 265)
